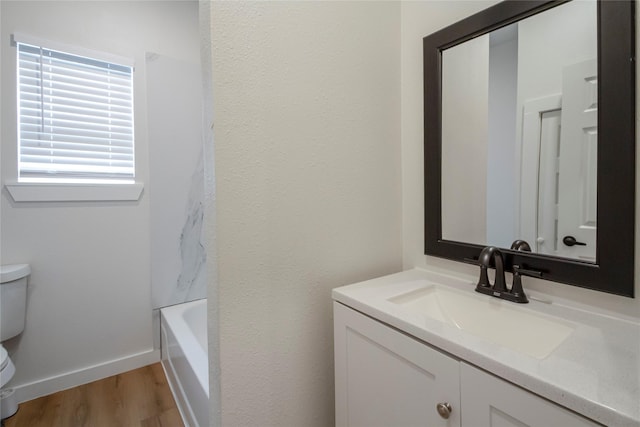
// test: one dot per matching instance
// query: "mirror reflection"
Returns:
(519, 134)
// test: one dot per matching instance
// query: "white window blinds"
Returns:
(75, 117)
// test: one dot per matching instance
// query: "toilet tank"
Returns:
(13, 299)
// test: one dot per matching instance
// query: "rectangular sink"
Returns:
(500, 322)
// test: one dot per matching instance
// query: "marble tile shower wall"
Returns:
(191, 282)
(176, 189)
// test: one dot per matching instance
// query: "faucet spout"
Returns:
(492, 257)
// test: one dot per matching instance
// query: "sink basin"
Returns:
(501, 322)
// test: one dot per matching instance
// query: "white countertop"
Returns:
(595, 371)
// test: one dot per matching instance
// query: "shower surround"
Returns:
(178, 272)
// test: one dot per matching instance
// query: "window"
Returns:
(75, 118)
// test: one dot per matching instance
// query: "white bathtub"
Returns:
(185, 360)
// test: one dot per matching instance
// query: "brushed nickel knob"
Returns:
(444, 410)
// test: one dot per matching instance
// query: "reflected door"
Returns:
(577, 186)
(547, 209)
(539, 179)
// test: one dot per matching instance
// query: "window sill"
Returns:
(37, 192)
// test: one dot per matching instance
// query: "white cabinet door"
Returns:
(385, 378)
(489, 401)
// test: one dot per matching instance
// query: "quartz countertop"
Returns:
(594, 372)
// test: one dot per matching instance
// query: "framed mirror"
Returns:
(529, 126)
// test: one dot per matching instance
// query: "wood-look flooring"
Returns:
(138, 398)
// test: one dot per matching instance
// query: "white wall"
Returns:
(465, 115)
(307, 157)
(543, 49)
(89, 302)
(501, 166)
(210, 241)
(418, 20)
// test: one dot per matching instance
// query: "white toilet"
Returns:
(13, 305)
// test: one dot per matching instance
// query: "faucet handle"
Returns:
(524, 272)
(516, 289)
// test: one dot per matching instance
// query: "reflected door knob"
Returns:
(444, 410)
(571, 241)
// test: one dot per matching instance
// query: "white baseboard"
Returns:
(35, 389)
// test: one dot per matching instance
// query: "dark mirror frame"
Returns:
(613, 271)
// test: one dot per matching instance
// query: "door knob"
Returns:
(571, 241)
(444, 410)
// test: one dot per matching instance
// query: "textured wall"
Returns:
(418, 20)
(307, 158)
(206, 60)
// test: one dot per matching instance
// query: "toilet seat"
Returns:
(7, 369)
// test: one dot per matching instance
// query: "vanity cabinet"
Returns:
(490, 401)
(384, 377)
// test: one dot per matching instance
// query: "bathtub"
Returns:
(185, 360)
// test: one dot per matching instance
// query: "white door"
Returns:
(386, 378)
(577, 189)
(488, 401)
(547, 220)
(539, 173)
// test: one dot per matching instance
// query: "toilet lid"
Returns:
(4, 357)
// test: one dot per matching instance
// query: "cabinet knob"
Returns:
(444, 410)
